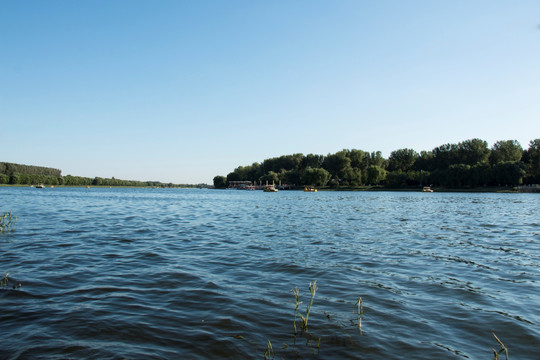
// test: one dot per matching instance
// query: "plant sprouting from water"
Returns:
(269, 353)
(360, 311)
(7, 222)
(296, 292)
(313, 290)
(503, 349)
(4, 283)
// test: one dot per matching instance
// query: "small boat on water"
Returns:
(270, 188)
(310, 189)
(427, 189)
(40, 186)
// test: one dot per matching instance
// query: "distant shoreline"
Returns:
(486, 189)
(102, 186)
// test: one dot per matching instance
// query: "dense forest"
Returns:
(17, 174)
(468, 164)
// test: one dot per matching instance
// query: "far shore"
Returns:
(485, 189)
(101, 186)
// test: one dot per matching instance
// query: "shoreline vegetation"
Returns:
(469, 166)
(486, 189)
(30, 175)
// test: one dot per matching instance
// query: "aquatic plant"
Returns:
(360, 311)
(7, 222)
(269, 353)
(502, 349)
(313, 290)
(296, 292)
(4, 282)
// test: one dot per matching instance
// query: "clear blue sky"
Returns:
(181, 91)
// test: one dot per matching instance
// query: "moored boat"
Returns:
(270, 188)
(310, 189)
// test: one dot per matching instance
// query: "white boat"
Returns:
(270, 188)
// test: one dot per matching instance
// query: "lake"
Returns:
(208, 274)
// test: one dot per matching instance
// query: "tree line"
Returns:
(467, 164)
(18, 174)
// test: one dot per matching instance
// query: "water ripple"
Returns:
(163, 273)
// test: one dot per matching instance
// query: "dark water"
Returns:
(207, 274)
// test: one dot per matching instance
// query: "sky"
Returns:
(181, 91)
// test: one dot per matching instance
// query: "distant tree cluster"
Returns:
(17, 174)
(470, 163)
(27, 174)
(70, 180)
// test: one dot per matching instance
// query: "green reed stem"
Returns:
(7, 222)
(503, 349)
(313, 290)
(360, 311)
(4, 282)
(296, 293)
(269, 353)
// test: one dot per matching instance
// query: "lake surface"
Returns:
(207, 274)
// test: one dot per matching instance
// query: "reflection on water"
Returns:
(172, 273)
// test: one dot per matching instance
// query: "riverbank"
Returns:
(483, 189)
(105, 186)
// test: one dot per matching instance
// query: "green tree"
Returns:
(444, 156)
(403, 159)
(25, 179)
(505, 150)
(357, 158)
(312, 161)
(375, 174)
(220, 182)
(14, 179)
(531, 157)
(481, 174)
(396, 178)
(315, 176)
(337, 164)
(377, 159)
(255, 171)
(425, 161)
(271, 178)
(286, 162)
(457, 176)
(472, 152)
(241, 173)
(352, 177)
(290, 177)
(233, 176)
(509, 173)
